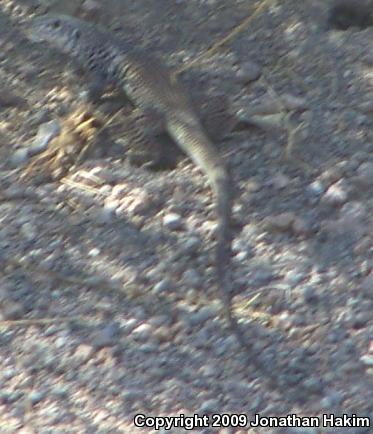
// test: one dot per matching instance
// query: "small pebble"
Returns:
(133, 395)
(36, 396)
(336, 194)
(119, 190)
(46, 133)
(330, 401)
(190, 246)
(11, 310)
(262, 276)
(83, 352)
(368, 58)
(111, 204)
(94, 252)
(367, 286)
(280, 181)
(107, 336)
(192, 278)
(9, 373)
(9, 99)
(104, 216)
(90, 9)
(301, 431)
(313, 384)
(316, 188)
(281, 222)
(367, 360)
(364, 175)
(366, 106)
(302, 226)
(162, 286)
(309, 294)
(248, 72)
(173, 221)
(209, 406)
(294, 277)
(19, 157)
(29, 231)
(201, 316)
(143, 332)
(292, 102)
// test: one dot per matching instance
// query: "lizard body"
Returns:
(344, 14)
(149, 86)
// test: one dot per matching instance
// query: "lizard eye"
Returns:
(56, 24)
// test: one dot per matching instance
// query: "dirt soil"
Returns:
(108, 303)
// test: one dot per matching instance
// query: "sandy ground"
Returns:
(108, 304)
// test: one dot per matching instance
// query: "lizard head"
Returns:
(61, 31)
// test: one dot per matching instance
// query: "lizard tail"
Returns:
(188, 133)
(224, 197)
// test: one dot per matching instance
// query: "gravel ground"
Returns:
(108, 304)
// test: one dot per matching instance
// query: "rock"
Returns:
(294, 277)
(366, 106)
(363, 245)
(131, 395)
(162, 286)
(367, 360)
(302, 226)
(280, 181)
(90, 9)
(364, 175)
(336, 194)
(352, 216)
(11, 310)
(281, 222)
(107, 336)
(272, 123)
(292, 102)
(104, 216)
(198, 318)
(138, 202)
(93, 253)
(36, 396)
(83, 353)
(29, 231)
(142, 332)
(248, 72)
(190, 246)
(368, 58)
(209, 406)
(332, 174)
(19, 157)
(9, 99)
(111, 205)
(262, 275)
(309, 294)
(173, 221)
(331, 400)
(367, 286)
(192, 278)
(119, 191)
(46, 133)
(316, 188)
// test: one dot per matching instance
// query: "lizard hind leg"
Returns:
(148, 145)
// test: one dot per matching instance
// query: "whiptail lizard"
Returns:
(149, 86)
(344, 14)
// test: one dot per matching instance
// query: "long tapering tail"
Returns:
(188, 133)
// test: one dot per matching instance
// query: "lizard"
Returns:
(344, 14)
(149, 86)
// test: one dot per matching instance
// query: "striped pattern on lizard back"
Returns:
(148, 84)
